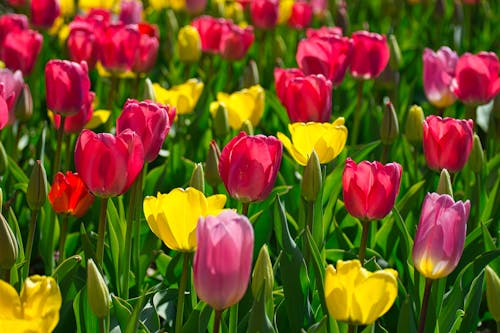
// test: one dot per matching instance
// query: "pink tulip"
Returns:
(476, 78)
(108, 164)
(301, 15)
(11, 87)
(44, 12)
(75, 123)
(130, 11)
(249, 165)
(210, 30)
(67, 86)
(82, 42)
(324, 32)
(440, 237)
(235, 42)
(439, 70)
(370, 55)
(447, 142)
(195, 7)
(370, 188)
(16, 3)
(147, 50)
(118, 47)
(264, 13)
(223, 258)
(20, 50)
(305, 97)
(149, 120)
(11, 22)
(4, 112)
(327, 55)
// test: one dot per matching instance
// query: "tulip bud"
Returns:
(37, 187)
(250, 75)
(247, 127)
(221, 121)
(493, 293)
(198, 178)
(97, 291)
(24, 105)
(389, 130)
(413, 130)
(263, 278)
(396, 57)
(189, 44)
(312, 178)
(281, 48)
(8, 245)
(444, 185)
(149, 91)
(4, 160)
(212, 165)
(476, 158)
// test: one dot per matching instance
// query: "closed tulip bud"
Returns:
(97, 291)
(440, 237)
(493, 293)
(301, 15)
(250, 75)
(197, 180)
(413, 129)
(8, 245)
(4, 160)
(444, 185)
(221, 121)
(389, 131)
(12, 22)
(263, 279)
(396, 58)
(189, 44)
(368, 45)
(357, 296)
(212, 165)
(24, 105)
(312, 179)
(476, 158)
(36, 195)
(149, 91)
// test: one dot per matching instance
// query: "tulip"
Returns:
(370, 188)
(35, 310)
(476, 78)
(222, 262)
(183, 97)
(69, 195)
(440, 237)
(82, 42)
(118, 47)
(11, 88)
(439, 70)
(305, 97)
(357, 296)
(4, 113)
(75, 123)
(249, 165)
(324, 32)
(301, 15)
(264, 13)
(492, 293)
(11, 22)
(370, 55)
(87, 5)
(413, 128)
(108, 164)
(130, 11)
(9, 248)
(67, 85)
(16, 3)
(447, 142)
(44, 12)
(285, 11)
(189, 44)
(173, 217)
(97, 291)
(235, 42)
(20, 50)
(148, 120)
(210, 30)
(246, 104)
(329, 56)
(147, 50)
(326, 139)
(195, 7)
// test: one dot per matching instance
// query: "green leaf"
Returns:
(17, 172)
(472, 304)
(122, 310)
(86, 321)
(259, 321)
(406, 321)
(64, 268)
(198, 319)
(116, 236)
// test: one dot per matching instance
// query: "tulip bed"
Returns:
(250, 166)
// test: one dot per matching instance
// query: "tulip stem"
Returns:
(352, 328)
(244, 209)
(67, 158)
(137, 227)
(218, 316)
(62, 236)
(29, 244)
(6, 274)
(99, 256)
(498, 324)
(182, 291)
(357, 114)
(385, 153)
(102, 325)
(233, 318)
(60, 135)
(425, 305)
(364, 239)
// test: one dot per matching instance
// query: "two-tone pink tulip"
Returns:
(439, 71)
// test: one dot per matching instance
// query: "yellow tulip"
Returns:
(184, 97)
(246, 104)
(326, 139)
(36, 310)
(173, 217)
(158, 4)
(285, 11)
(189, 44)
(357, 296)
(89, 4)
(67, 7)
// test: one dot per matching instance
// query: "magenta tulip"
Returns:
(75, 124)
(447, 142)
(210, 30)
(235, 42)
(249, 165)
(20, 50)
(324, 32)
(195, 7)
(301, 16)
(118, 47)
(108, 164)
(4, 112)
(264, 13)
(439, 70)
(11, 87)
(11, 22)
(44, 12)
(130, 12)
(149, 120)
(223, 258)
(440, 237)
(82, 42)
(370, 55)
(147, 50)
(370, 188)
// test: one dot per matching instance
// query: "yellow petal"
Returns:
(99, 117)
(337, 300)
(215, 204)
(150, 208)
(10, 303)
(297, 155)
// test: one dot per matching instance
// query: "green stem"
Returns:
(6, 274)
(182, 291)
(218, 316)
(135, 87)
(385, 153)
(99, 255)
(62, 237)
(244, 209)
(425, 305)
(29, 244)
(60, 135)
(128, 239)
(137, 228)
(102, 325)
(233, 318)
(415, 162)
(364, 238)
(357, 114)
(498, 326)
(352, 328)
(69, 151)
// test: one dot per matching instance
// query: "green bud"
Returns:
(263, 279)
(476, 158)
(24, 105)
(247, 127)
(149, 91)
(389, 130)
(221, 121)
(250, 75)
(414, 130)
(312, 178)
(4, 160)
(212, 165)
(280, 47)
(8, 245)
(493, 293)
(37, 187)
(396, 56)
(198, 178)
(97, 291)
(444, 185)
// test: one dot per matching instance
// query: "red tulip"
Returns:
(370, 55)
(324, 32)
(11, 87)
(67, 86)
(249, 165)
(118, 47)
(69, 195)
(301, 15)
(75, 123)
(149, 120)
(370, 188)
(264, 13)
(447, 142)
(210, 30)
(82, 42)
(130, 11)
(328, 55)
(20, 50)
(147, 50)
(44, 12)
(439, 70)
(235, 42)
(16, 3)
(305, 97)
(11, 22)
(108, 164)
(476, 78)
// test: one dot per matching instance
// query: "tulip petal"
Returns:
(10, 303)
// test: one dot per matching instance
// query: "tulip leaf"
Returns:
(198, 319)
(492, 203)
(17, 173)
(472, 305)
(259, 321)
(66, 267)
(410, 197)
(320, 326)
(406, 321)
(86, 321)
(116, 236)
(122, 310)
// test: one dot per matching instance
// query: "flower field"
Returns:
(249, 166)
